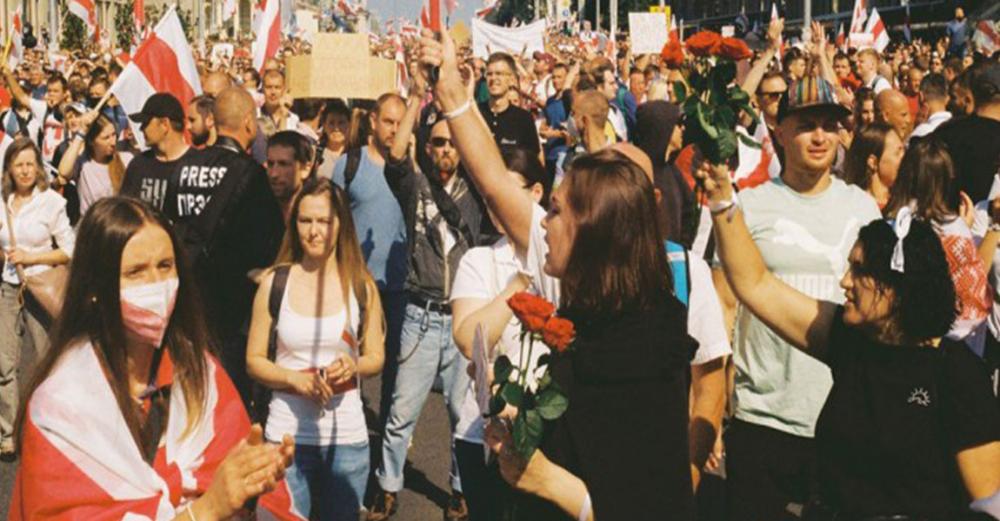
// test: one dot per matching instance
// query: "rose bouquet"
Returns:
(527, 385)
(711, 103)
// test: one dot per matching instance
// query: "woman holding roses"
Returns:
(620, 451)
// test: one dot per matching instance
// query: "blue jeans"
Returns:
(329, 479)
(427, 349)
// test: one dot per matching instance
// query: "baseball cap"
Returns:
(159, 105)
(79, 108)
(807, 93)
(986, 83)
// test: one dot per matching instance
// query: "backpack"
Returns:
(677, 256)
(351, 168)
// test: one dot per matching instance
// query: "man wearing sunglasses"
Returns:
(147, 176)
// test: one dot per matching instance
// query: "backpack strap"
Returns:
(677, 256)
(277, 294)
(351, 168)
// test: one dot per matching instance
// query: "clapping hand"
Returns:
(251, 468)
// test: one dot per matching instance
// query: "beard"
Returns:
(446, 164)
(199, 139)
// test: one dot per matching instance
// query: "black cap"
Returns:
(160, 105)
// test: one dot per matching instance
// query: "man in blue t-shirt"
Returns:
(958, 33)
(379, 223)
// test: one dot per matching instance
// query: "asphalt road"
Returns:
(427, 490)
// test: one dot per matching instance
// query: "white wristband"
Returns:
(460, 110)
(585, 509)
(720, 206)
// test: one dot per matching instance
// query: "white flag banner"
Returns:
(526, 39)
(648, 32)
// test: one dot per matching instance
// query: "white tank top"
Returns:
(305, 344)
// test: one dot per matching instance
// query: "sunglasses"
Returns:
(771, 95)
(438, 142)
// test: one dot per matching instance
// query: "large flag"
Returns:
(875, 27)
(81, 462)
(268, 34)
(430, 15)
(674, 33)
(841, 40)
(526, 39)
(228, 9)
(163, 63)
(987, 36)
(84, 10)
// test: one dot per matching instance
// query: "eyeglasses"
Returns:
(497, 74)
(438, 142)
(771, 95)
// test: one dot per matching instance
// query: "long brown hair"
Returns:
(927, 177)
(92, 311)
(116, 167)
(20, 145)
(869, 140)
(618, 262)
(351, 265)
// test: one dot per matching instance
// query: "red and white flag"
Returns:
(268, 34)
(841, 40)
(16, 47)
(346, 8)
(78, 460)
(875, 27)
(139, 14)
(858, 17)
(488, 7)
(674, 31)
(228, 9)
(163, 63)
(450, 6)
(430, 15)
(781, 40)
(987, 37)
(84, 10)
(5, 141)
(757, 165)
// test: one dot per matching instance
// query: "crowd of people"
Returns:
(808, 331)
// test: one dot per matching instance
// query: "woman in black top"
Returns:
(621, 446)
(910, 427)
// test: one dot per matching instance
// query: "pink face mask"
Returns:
(146, 309)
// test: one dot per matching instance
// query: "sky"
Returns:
(410, 9)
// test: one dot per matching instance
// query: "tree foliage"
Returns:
(124, 25)
(74, 35)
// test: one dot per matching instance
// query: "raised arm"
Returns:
(799, 319)
(14, 87)
(476, 147)
(759, 68)
(401, 143)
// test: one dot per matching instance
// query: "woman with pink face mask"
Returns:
(129, 414)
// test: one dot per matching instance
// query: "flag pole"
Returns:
(6, 47)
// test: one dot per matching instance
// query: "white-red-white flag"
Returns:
(430, 15)
(674, 31)
(987, 37)
(268, 34)
(163, 63)
(858, 17)
(16, 46)
(875, 27)
(841, 40)
(84, 10)
(80, 462)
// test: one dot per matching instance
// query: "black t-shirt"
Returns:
(974, 143)
(512, 127)
(894, 421)
(148, 178)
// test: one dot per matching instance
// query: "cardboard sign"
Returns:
(648, 32)
(340, 66)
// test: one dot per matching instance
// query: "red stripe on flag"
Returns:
(159, 65)
(273, 39)
(435, 11)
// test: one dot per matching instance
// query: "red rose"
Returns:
(672, 54)
(734, 49)
(558, 334)
(531, 310)
(703, 43)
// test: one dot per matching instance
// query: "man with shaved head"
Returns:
(215, 82)
(230, 222)
(893, 109)
(590, 120)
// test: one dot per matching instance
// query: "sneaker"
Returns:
(384, 506)
(457, 509)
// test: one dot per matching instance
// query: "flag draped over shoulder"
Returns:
(79, 460)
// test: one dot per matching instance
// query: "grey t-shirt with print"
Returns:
(805, 241)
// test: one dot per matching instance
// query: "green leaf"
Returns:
(544, 382)
(702, 120)
(680, 91)
(552, 404)
(497, 404)
(513, 394)
(726, 144)
(527, 432)
(723, 74)
(738, 95)
(724, 117)
(502, 369)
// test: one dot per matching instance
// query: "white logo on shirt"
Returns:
(920, 396)
(791, 233)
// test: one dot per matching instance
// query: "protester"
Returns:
(927, 408)
(868, 64)
(275, 113)
(933, 103)
(974, 141)
(864, 108)
(149, 174)
(36, 235)
(44, 125)
(201, 121)
(336, 136)
(648, 477)
(804, 224)
(128, 395)
(510, 125)
(872, 162)
(328, 336)
(288, 159)
(93, 161)
(892, 109)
